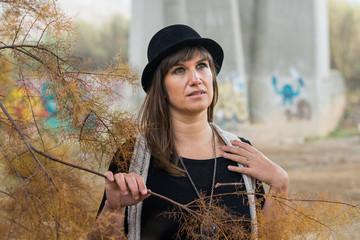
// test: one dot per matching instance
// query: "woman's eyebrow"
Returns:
(178, 64)
(202, 60)
(181, 62)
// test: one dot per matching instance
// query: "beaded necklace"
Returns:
(208, 229)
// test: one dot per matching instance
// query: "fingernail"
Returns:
(126, 193)
(136, 198)
(144, 191)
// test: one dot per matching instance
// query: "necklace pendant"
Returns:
(208, 229)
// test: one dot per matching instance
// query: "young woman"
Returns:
(182, 154)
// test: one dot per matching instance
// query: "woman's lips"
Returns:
(196, 93)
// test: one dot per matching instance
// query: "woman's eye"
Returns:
(178, 70)
(202, 65)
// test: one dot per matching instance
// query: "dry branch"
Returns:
(25, 140)
(66, 163)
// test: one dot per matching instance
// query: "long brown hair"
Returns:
(155, 116)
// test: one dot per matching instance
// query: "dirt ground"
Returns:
(319, 166)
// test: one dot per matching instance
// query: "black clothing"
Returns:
(155, 224)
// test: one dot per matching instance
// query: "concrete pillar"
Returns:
(287, 60)
(148, 17)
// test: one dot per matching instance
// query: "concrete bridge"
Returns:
(276, 81)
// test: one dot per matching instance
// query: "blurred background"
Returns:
(290, 81)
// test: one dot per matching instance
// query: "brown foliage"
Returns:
(41, 199)
(296, 217)
(60, 210)
(308, 218)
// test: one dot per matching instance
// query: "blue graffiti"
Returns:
(87, 124)
(287, 92)
(50, 106)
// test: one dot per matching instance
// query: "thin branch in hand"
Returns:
(181, 206)
(228, 184)
(102, 175)
(66, 163)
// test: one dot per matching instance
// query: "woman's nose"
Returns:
(194, 78)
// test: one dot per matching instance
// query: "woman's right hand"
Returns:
(124, 189)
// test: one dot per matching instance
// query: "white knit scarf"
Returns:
(140, 164)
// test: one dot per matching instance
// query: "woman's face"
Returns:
(189, 86)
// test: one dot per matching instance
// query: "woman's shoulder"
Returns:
(245, 140)
(227, 136)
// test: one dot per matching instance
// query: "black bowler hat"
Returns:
(169, 40)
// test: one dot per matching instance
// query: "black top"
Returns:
(155, 224)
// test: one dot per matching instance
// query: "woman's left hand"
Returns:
(256, 165)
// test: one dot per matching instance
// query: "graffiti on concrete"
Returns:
(232, 104)
(54, 121)
(287, 92)
(302, 111)
(296, 107)
(50, 106)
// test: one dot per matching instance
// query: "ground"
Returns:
(323, 165)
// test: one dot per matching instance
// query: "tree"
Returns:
(344, 23)
(100, 44)
(38, 197)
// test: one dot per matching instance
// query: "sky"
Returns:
(95, 10)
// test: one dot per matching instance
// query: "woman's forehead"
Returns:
(190, 55)
(196, 58)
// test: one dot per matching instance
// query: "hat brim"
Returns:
(210, 45)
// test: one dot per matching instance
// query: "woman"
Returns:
(181, 154)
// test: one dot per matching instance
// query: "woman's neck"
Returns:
(193, 139)
(186, 129)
